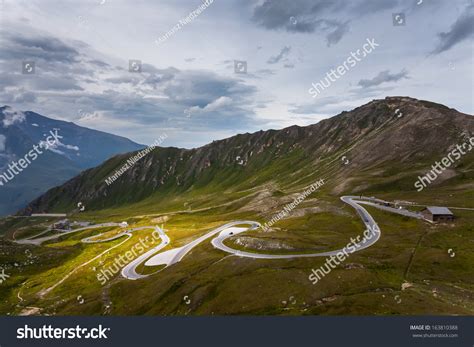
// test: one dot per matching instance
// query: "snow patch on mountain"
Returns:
(12, 116)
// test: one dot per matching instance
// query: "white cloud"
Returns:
(54, 147)
(12, 116)
(211, 107)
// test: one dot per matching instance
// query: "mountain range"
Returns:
(75, 149)
(383, 145)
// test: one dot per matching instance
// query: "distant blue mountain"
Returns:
(75, 149)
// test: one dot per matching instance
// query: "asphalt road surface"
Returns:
(223, 232)
(39, 241)
(129, 270)
(373, 236)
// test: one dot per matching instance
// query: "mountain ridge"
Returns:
(75, 148)
(422, 132)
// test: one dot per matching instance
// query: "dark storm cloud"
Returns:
(382, 77)
(292, 15)
(340, 29)
(371, 6)
(315, 16)
(19, 46)
(199, 88)
(50, 83)
(155, 76)
(99, 63)
(19, 96)
(461, 30)
(73, 82)
(283, 54)
(58, 64)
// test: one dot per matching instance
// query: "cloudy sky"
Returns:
(187, 86)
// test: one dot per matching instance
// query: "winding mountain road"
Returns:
(227, 230)
(175, 255)
(373, 236)
(129, 270)
(32, 241)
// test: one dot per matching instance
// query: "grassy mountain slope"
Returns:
(372, 137)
